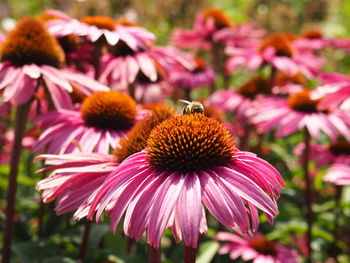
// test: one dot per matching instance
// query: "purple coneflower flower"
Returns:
(31, 57)
(335, 89)
(256, 249)
(76, 176)
(297, 111)
(240, 102)
(190, 162)
(278, 51)
(199, 76)
(104, 118)
(96, 28)
(336, 155)
(208, 22)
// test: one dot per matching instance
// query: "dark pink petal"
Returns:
(190, 209)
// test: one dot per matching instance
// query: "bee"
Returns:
(192, 107)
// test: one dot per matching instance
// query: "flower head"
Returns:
(30, 59)
(221, 20)
(258, 249)
(240, 102)
(103, 119)
(31, 43)
(280, 42)
(109, 110)
(298, 111)
(190, 161)
(197, 77)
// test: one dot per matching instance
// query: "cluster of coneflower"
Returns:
(96, 93)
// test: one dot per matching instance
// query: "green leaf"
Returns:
(207, 251)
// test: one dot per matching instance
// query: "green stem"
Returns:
(20, 126)
(308, 194)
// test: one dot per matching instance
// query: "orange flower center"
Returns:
(102, 22)
(281, 42)
(301, 101)
(190, 142)
(199, 65)
(136, 139)
(312, 34)
(30, 43)
(254, 87)
(263, 246)
(125, 22)
(109, 110)
(341, 147)
(282, 79)
(221, 19)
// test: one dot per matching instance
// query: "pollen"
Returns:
(301, 101)
(254, 87)
(282, 79)
(282, 42)
(109, 110)
(221, 19)
(263, 246)
(102, 22)
(30, 43)
(190, 142)
(136, 139)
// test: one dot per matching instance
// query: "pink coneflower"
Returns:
(96, 28)
(121, 66)
(103, 119)
(190, 162)
(31, 57)
(298, 111)
(207, 23)
(336, 155)
(240, 102)
(285, 84)
(312, 40)
(199, 76)
(76, 176)
(257, 249)
(147, 91)
(335, 89)
(278, 51)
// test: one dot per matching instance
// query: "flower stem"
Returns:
(20, 125)
(153, 254)
(189, 254)
(129, 245)
(308, 195)
(84, 241)
(337, 230)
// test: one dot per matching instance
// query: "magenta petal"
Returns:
(147, 66)
(32, 71)
(248, 190)
(190, 209)
(163, 206)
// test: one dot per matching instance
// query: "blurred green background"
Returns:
(161, 16)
